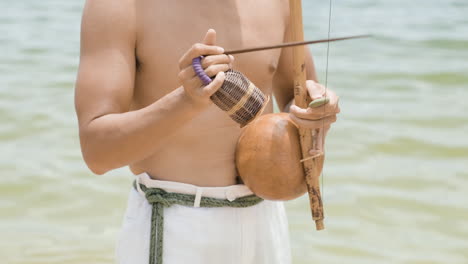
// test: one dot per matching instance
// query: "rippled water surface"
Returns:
(396, 175)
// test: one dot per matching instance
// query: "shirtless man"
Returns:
(139, 104)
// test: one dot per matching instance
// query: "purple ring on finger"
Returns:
(197, 67)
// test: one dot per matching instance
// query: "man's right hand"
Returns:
(215, 63)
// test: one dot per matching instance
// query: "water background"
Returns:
(396, 175)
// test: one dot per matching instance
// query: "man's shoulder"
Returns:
(109, 17)
(111, 12)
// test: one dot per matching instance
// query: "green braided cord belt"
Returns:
(159, 199)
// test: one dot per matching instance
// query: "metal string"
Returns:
(326, 87)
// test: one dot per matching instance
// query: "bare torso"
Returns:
(202, 151)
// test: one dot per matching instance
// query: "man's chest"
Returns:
(168, 28)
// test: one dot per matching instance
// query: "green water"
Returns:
(396, 175)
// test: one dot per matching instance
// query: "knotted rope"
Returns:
(159, 199)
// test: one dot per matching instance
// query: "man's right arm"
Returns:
(111, 136)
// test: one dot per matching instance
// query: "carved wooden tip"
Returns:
(319, 225)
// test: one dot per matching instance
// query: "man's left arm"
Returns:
(283, 79)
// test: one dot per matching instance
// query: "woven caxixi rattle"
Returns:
(238, 96)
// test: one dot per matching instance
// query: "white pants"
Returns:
(252, 235)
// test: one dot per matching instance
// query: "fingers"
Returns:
(197, 50)
(216, 59)
(208, 90)
(318, 92)
(320, 144)
(337, 106)
(207, 47)
(211, 88)
(210, 37)
(334, 100)
(189, 73)
(313, 124)
(214, 63)
(315, 90)
(215, 69)
(314, 113)
(318, 118)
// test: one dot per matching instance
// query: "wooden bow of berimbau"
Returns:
(309, 139)
(312, 166)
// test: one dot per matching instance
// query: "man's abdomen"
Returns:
(201, 153)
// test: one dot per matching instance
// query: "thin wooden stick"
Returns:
(292, 44)
(311, 157)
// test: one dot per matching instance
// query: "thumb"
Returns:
(210, 37)
(315, 90)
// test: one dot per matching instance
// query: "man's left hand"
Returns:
(319, 117)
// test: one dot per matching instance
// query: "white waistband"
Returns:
(228, 193)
